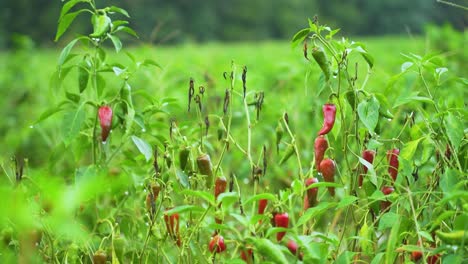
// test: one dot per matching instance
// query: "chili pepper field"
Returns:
(323, 149)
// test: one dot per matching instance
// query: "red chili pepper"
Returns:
(105, 120)
(217, 244)
(172, 225)
(392, 157)
(247, 255)
(416, 255)
(220, 186)
(384, 205)
(293, 248)
(367, 155)
(320, 146)
(329, 114)
(311, 193)
(262, 203)
(328, 168)
(434, 259)
(281, 220)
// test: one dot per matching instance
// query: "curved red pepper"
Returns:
(392, 157)
(329, 114)
(367, 155)
(320, 146)
(281, 220)
(105, 120)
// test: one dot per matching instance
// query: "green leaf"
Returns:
(64, 54)
(454, 128)
(347, 200)
(183, 178)
(116, 41)
(127, 30)
(143, 147)
(260, 196)
(268, 250)
(409, 149)
(208, 197)
(83, 77)
(390, 253)
(185, 208)
(365, 238)
(378, 258)
(73, 97)
(101, 83)
(448, 180)
(72, 123)
(314, 211)
(370, 170)
(405, 66)
(345, 258)
(388, 220)
(50, 111)
(227, 199)
(299, 36)
(66, 21)
(368, 112)
(367, 57)
(149, 62)
(405, 99)
(118, 10)
(69, 5)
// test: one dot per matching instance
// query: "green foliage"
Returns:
(146, 194)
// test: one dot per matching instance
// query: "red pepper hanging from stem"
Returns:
(105, 120)
(329, 114)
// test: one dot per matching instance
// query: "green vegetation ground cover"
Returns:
(76, 197)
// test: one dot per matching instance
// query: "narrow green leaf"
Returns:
(347, 200)
(370, 171)
(127, 30)
(69, 5)
(66, 21)
(83, 77)
(390, 253)
(116, 41)
(185, 208)
(367, 57)
(64, 54)
(260, 196)
(299, 36)
(208, 197)
(269, 250)
(454, 128)
(72, 123)
(143, 147)
(314, 211)
(50, 111)
(119, 10)
(149, 62)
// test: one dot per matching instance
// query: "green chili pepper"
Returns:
(321, 58)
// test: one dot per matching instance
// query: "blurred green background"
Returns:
(169, 21)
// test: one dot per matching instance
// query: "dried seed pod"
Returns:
(244, 79)
(99, 257)
(205, 168)
(220, 186)
(190, 93)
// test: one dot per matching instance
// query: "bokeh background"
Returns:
(171, 21)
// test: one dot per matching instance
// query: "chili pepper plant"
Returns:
(220, 175)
